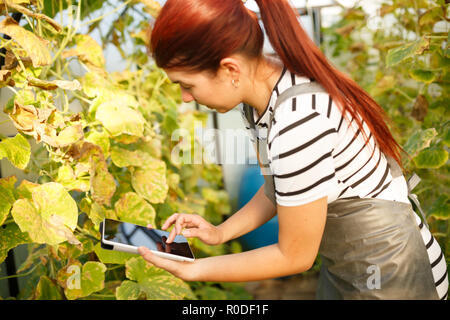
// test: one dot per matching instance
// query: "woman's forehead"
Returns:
(183, 76)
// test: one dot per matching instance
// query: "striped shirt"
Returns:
(314, 151)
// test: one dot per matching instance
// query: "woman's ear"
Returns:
(230, 68)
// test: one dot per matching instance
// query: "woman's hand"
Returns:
(194, 227)
(181, 269)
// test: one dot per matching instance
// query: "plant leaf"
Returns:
(52, 85)
(17, 150)
(112, 256)
(11, 237)
(36, 47)
(128, 290)
(126, 158)
(419, 141)
(120, 119)
(87, 50)
(134, 209)
(103, 184)
(7, 197)
(420, 108)
(434, 157)
(397, 55)
(47, 290)
(91, 278)
(440, 209)
(150, 182)
(425, 76)
(50, 217)
(155, 283)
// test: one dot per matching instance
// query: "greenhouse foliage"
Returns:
(402, 58)
(111, 160)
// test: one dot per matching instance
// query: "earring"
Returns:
(235, 83)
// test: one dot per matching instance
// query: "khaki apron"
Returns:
(370, 248)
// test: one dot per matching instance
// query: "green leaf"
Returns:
(211, 293)
(103, 184)
(87, 50)
(446, 136)
(69, 135)
(425, 76)
(96, 213)
(17, 150)
(384, 84)
(150, 182)
(134, 209)
(152, 7)
(67, 178)
(112, 256)
(36, 47)
(101, 139)
(120, 119)
(440, 209)
(397, 55)
(50, 217)
(431, 16)
(82, 281)
(52, 85)
(95, 85)
(434, 157)
(419, 141)
(126, 158)
(129, 290)
(155, 283)
(47, 290)
(11, 237)
(7, 197)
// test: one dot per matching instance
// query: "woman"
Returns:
(336, 185)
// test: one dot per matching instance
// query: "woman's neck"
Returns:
(260, 86)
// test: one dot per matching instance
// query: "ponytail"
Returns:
(197, 35)
(302, 57)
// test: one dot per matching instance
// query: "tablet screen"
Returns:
(134, 235)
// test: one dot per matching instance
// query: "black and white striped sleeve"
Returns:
(300, 152)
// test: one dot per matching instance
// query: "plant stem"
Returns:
(106, 14)
(20, 275)
(404, 94)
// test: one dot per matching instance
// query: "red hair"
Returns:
(197, 35)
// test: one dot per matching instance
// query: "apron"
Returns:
(370, 248)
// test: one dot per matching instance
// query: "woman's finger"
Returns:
(191, 233)
(170, 220)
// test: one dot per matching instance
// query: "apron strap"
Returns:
(315, 87)
(412, 182)
(261, 145)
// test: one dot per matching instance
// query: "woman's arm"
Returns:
(300, 233)
(255, 213)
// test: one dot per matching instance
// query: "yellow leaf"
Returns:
(36, 47)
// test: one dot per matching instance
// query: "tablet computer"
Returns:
(128, 237)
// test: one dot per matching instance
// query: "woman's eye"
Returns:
(187, 87)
